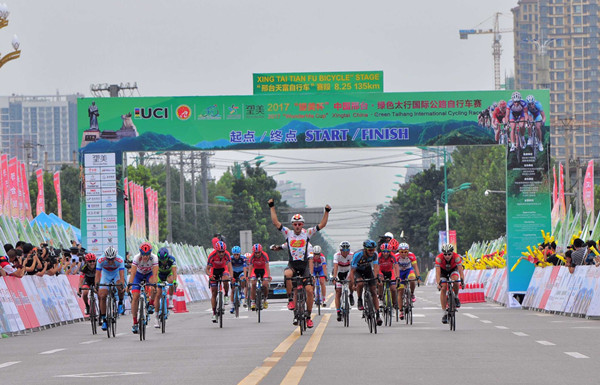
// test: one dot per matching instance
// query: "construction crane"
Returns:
(496, 46)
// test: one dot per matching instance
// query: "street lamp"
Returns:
(15, 41)
(488, 192)
(223, 199)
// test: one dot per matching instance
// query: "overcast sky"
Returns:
(212, 48)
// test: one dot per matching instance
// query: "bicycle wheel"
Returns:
(220, 309)
(258, 301)
(318, 295)
(115, 314)
(300, 313)
(368, 310)
(345, 309)
(163, 312)
(142, 318)
(109, 314)
(236, 301)
(93, 312)
(451, 309)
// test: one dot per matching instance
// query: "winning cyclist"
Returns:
(144, 268)
(87, 278)
(110, 268)
(409, 269)
(259, 269)
(361, 267)
(320, 270)
(167, 272)
(341, 267)
(517, 114)
(536, 115)
(218, 267)
(499, 116)
(448, 266)
(300, 261)
(239, 265)
(388, 269)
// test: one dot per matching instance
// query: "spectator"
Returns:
(10, 269)
(52, 266)
(589, 260)
(550, 252)
(578, 253)
(8, 246)
(30, 259)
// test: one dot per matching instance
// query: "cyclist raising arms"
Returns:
(239, 265)
(320, 270)
(144, 267)
(448, 265)
(499, 116)
(110, 268)
(361, 267)
(388, 269)
(300, 261)
(341, 267)
(218, 267)
(518, 113)
(167, 272)
(259, 269)
(536, 115)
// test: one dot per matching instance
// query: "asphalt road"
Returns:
(491, 345)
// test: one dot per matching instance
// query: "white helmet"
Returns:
(317, 249)
(389, 235)
(110, 252)
(297, 218)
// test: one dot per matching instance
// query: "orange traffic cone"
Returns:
(179, 305)
(481, 293)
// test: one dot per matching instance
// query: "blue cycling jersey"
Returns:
(238, 264)
(517, 108)
(535, 108)
(361, 261)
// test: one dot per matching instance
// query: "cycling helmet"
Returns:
(447, 248)
(257, 248)
(388, 235)
(220, 246)
(344, 245)
(530, 99)
(317, 249)
(297, 218)
(90, 257)
(248, 255)
(145, 248)
(369, 244)
(163, 253)
(393, 244)
(236, 250)
(403, 246)
(494, 105)
(110, 252)
(516, 96)
(502, 104)
(385, 247)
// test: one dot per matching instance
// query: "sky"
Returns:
(213, 48)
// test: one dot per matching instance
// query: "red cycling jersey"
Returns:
(454, 262)
(218, 262)
(499, 115)
(259, 262)
(386, 264)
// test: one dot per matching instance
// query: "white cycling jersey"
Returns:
(343, 262)
(145, 267)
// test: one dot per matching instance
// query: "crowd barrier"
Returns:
(33, 303)
(491, 283)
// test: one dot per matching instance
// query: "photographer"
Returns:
(10, 265)
(48, 257)
(31, 262)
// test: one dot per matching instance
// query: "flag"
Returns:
(554, 189)
(40, 206)
(58, 194)
(562, 211)
(5, 185)
(26, 197)
(126, 198)
(588, 188)
(12, 175)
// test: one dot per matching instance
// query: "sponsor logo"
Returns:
(210, 113)
(183, 112)
(297, 243)
(151, 113)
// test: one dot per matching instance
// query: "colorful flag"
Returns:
(40, 206)
(58, 194)
(554, 189)
(588, 188)
(126, 198)
(26, 197)
(562, 211)
(5, 185)
(12, 175)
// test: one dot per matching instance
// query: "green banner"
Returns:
(317, 82)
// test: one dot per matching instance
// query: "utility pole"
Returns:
(181, 187)
(169, 225)
(193, 153)
(204, 166)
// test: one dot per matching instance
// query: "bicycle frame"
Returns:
(298, 284)
(163, 310)
(369, 312)
(112, 312)
(451, 303)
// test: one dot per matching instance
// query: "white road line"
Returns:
(521, 334)
(89, 342)
(53, 351)
(501, 327)
(7, 364)
(471, 315)
(576, 355)
(486, 321)
(545, 343)
(120, 334)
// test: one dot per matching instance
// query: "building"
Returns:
(39, 130)
(292, 193)
(557, 47)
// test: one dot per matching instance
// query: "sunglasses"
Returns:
(221, 251)
(344, 249)
(447, 253)
(371, 250)
(297, 224)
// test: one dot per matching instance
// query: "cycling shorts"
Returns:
(516, 118)
(88, 282)
(406, 274)
(365, 274)
(389, 275)
(139, 277)
(449, 274)
(238, 275)
(162, 277)
(536, 118)
(106, 277)
(300, 270)
(218, 274)
(341, 276)
(258, 274)
(318, 272)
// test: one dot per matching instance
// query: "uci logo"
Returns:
(150, 113)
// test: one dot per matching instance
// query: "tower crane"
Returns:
(496, 46)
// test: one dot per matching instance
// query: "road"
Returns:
(491, 345)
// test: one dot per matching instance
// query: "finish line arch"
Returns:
(108, 127)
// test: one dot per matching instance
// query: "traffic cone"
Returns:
(179, 305)
(469, 292)
(481, 293)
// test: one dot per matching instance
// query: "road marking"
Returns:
(7, 364)
(486, 321)
(121, 334)
(89, 342)
(501, 327)
(294, 375)
(576, 355)
(545, 343)
(101, 374)
(52, 351)
(471, 315)
(260, 372)
(521, 334)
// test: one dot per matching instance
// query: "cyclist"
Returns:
(259, 269)
(218, 267)
(388, 269)
(341, 267)
(361, 267)
(484, 117)
(144, 267)
(538, 117)
(87, 277)
(500, 116)
(110, 268)
(167, 272)
(320, 270)
(239, 265)
(409, 269)
(300, 261)
(517, 108)
(448, 265)
(385, 238)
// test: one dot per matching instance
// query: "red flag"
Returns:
(562, 211)
(150, 216)
(40, 207)
(588, 188)
(58, 194)
(5, 185)
(12, 174)
(20, 192)
(26, 198)
(126, 198)
(554, 189)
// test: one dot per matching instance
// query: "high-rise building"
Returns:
(292, 193)
(557, 47)
(39, 130)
